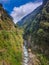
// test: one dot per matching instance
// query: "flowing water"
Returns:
(25, 55)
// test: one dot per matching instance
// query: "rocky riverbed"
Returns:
(29, 58)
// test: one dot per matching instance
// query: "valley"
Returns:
(27, 42)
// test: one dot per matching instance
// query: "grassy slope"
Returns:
(10, 41)
(10, 48)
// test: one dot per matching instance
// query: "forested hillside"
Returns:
(11, 40)
(37, 34)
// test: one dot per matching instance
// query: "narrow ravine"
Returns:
(25, 55)
(29, 58)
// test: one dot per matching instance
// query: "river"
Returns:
(25, 55)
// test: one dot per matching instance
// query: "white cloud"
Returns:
(19, 12)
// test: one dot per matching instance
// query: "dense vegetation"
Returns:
(37, 33)
(10, 40)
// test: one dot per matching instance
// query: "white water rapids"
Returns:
(25, 56)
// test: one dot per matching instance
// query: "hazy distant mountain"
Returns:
(30, 17)
(27, 19)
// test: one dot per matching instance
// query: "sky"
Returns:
(20, 8)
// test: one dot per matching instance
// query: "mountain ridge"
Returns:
(22, 21)
(33, 14)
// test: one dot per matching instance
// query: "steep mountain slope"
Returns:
(24, 22)
(37, 34)
(10, 40)
(27, 20)
(40, 21)
(7, 24)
